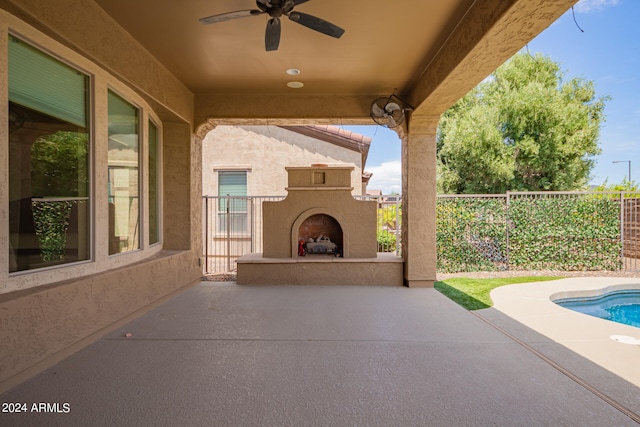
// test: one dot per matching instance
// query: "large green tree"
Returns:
(524, 128)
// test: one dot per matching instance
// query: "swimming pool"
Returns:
(619, 306)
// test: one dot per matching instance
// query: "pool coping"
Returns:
(532, 306)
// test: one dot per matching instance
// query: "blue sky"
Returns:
(607, 52)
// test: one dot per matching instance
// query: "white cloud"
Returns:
(587, 6)
(386, 177)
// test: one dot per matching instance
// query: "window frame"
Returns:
(159, 184)
(89, 105)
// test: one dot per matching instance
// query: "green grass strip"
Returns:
(473, 294)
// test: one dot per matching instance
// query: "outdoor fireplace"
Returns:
(319, 204)
(320, 235)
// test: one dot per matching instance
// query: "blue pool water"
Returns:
(619, 306)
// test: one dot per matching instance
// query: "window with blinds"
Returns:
(232, 202)
(49, 151)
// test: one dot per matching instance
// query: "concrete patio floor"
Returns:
(221, 354)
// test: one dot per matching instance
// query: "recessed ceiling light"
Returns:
(295, 85)
(293, 71)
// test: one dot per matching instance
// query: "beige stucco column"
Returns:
(419, 201)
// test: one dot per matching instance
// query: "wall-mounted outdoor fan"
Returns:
(276, 9)
(389, 111)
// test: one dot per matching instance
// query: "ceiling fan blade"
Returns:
(317, 24)
(264, 5)
(297, 2)
(377, 111)
(230, 15)
(272, 34)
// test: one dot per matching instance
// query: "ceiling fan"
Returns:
(276, 9)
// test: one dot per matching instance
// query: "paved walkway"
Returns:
(531, 304)
(221, 354)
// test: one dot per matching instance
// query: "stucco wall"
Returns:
(49, 312)
(38, 328)
(265, 151)
(181, 179)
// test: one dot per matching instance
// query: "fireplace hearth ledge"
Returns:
(384, 270)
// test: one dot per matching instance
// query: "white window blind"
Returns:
(232, 183)
(42, 83)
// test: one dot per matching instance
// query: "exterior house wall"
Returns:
(47, 313)
(265, 151)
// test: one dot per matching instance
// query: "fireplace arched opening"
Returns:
(321, 234)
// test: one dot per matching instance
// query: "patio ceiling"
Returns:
(431, 51)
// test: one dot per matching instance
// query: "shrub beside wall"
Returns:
(386, 241)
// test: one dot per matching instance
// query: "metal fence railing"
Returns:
(562, 231)
(630, 230)
(232, 227)
(388, 222)
(471, 233)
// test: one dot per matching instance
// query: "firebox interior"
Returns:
(317, 226)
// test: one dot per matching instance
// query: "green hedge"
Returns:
(470, 234)
(51, 220)
(567, 232)
(564, 233)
